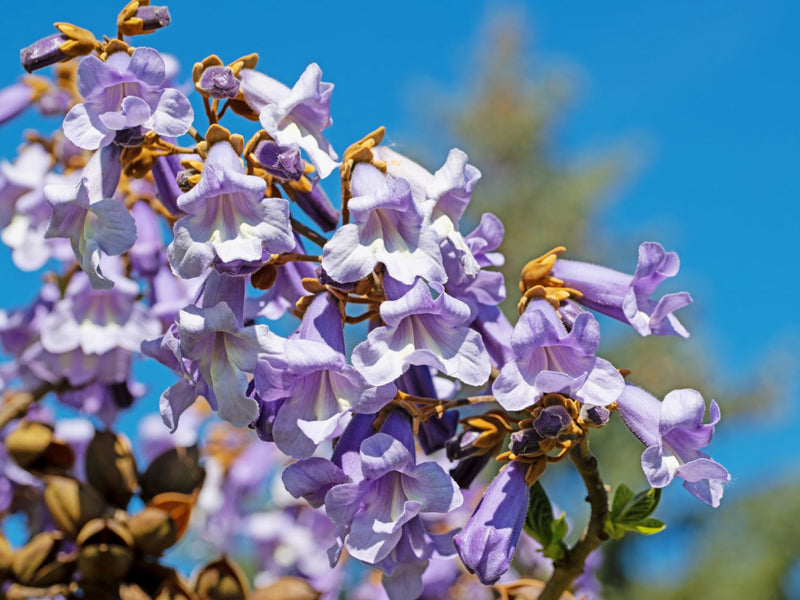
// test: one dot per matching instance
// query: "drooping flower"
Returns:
(487, 542)
(320, 388)
(674, 433)
(388, 227)
(229, 221)
(225, 352)
(548, 359)
(87, 215)
(124, 92)
(627, 298)
(295, 116)
(421, 330)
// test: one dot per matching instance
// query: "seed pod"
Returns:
(5, 557)
(286, 588)
(111, 468)
(105, 552)
(174, 588)
(153, 531)
(38, 564)
(221, 580)
(72, 504)
(176, 470)
(28, 442)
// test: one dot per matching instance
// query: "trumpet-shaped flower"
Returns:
(674, 433)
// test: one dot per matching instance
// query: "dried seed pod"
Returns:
(6, 553)
(38, 563)
(222, 580)
(153, 530)
(176, 470)
(32, 446)
(72, 504)
(174, 588)
(286, 588)
(105, 552)
(111, 468)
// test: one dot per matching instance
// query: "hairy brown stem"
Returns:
(569, 567)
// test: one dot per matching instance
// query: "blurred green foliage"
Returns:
(507, 121)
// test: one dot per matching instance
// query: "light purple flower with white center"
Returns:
(443, 196)
(627, 297)
(228, 219)
(225, 352)
(87, 215)
(388, 227)
(96, 321)
(421, 330)
(548, 359)
(487, 542)
(124, 92)
(25, 175)
(295, 116)
(674, 433)
(391, 491)
(320, 388)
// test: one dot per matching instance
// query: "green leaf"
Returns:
(649, 526)
(631, 512)
(622, 496)
(539, 519)
(541, 526)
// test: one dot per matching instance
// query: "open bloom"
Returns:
(674, 433)
(229, 222)
(294, 116)
(548, 359)
(387, 226)
(627, 297)
(421, 330)
(125, 92)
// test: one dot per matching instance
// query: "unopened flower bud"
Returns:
(130, 137)
(283, 162)
(153, 17)
(43, 53)
(594, 416)
(218, 82)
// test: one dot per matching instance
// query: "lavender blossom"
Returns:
(627, 297)
(229, 220)
(295, 116)
(225, 352)
(548, 359)
(123, 92)
(422, 331)
(487, 542)
(674, 433)
(87, 215)
(388, 227)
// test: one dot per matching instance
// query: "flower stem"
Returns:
(569, 567)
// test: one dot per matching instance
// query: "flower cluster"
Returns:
(198, 254)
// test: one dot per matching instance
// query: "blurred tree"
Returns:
(506, 122)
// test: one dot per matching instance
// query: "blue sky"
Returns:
(707, 92)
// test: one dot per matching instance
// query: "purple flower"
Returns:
(15, 98)
(229, 220)
(123, 92)
(87, 215)
(390, 492)
(320, 388)
(548, 359)
(294, 116)
(388, 227)
(674, 433)
(487, 542)
(422, 331)
(219, 82)
(225, 352)
(627, 297)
